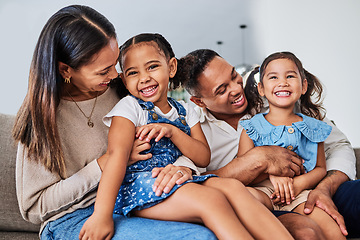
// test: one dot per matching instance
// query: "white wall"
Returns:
(324, 34)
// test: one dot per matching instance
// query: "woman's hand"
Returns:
(154, 130)
(97, 227)
(167, 177)
(283, 189)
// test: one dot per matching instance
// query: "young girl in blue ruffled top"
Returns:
(225, 206)
(283, 81)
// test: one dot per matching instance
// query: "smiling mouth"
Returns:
(105, 83)
(149, 90)
(238, 100)
(283, 94)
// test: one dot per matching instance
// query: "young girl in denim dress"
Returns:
(225, 206)
(284, 83)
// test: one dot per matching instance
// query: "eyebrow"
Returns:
(223, 84)
(105, 68)
(287, 72)
(149, 62)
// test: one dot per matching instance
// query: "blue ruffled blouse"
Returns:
(301, 137)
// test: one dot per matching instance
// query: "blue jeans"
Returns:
(347, 200)
(69, 226)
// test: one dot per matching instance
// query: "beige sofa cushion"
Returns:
(10, 217)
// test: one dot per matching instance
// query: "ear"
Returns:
(172, 67)
(260, 88)
(198, 101)
(304, 86)
(64, 70)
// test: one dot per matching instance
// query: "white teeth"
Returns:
(148, 90)
(282, 93)
(239, 99)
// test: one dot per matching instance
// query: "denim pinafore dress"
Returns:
(136, 191)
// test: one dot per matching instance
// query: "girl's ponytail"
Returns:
(181, 74)
(311, 101)
(255, 102)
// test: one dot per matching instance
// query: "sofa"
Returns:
(12, 225)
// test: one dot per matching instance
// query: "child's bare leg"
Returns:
(197, 203)
(328, 225)
(257, 219)
(261, 197)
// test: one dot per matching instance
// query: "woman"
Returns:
(61, 135)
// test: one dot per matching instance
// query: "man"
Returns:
(217, 89)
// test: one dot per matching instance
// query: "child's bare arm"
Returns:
(312, 178)
(245, 143)
(120, 140)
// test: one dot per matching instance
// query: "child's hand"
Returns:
(97, 227)
(154, 130)
(283, 189)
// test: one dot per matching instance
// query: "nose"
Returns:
(283, 82)
(113, 73)
(235, 88)
(143, 77)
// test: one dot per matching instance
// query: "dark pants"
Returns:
(347, 200)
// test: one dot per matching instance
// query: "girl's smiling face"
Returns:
(146, 72)
(282, 84)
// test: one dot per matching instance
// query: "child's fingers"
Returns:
(287, 194)
(276, 190)
(160, 135)
(142, 132)
(292, 191)
(282, 192)
(152, 134)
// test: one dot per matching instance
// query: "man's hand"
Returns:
(281, 161)
(260, 161)
(321, 197)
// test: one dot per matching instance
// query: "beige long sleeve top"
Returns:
(43, 196)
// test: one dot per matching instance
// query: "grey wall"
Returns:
(324, 34)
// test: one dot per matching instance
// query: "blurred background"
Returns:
(324, 34)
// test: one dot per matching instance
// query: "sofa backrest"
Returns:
(10, 217)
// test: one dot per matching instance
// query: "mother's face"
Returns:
(96, 75)
(221, 89)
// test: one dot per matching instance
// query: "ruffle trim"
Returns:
(260, 130)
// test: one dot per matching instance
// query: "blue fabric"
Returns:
(347, 200)
(136, 191)
(133, 228)
(302, 136)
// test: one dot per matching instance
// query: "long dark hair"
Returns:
(310, 102)
(73, 35)
(164, 47)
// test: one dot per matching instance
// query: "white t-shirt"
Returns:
(224, 142)
(129, 108)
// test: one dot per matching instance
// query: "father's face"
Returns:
(221, 89)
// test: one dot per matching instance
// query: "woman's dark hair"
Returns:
(310, 102)
(73, 35)
(194, 64)
(163, 46)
